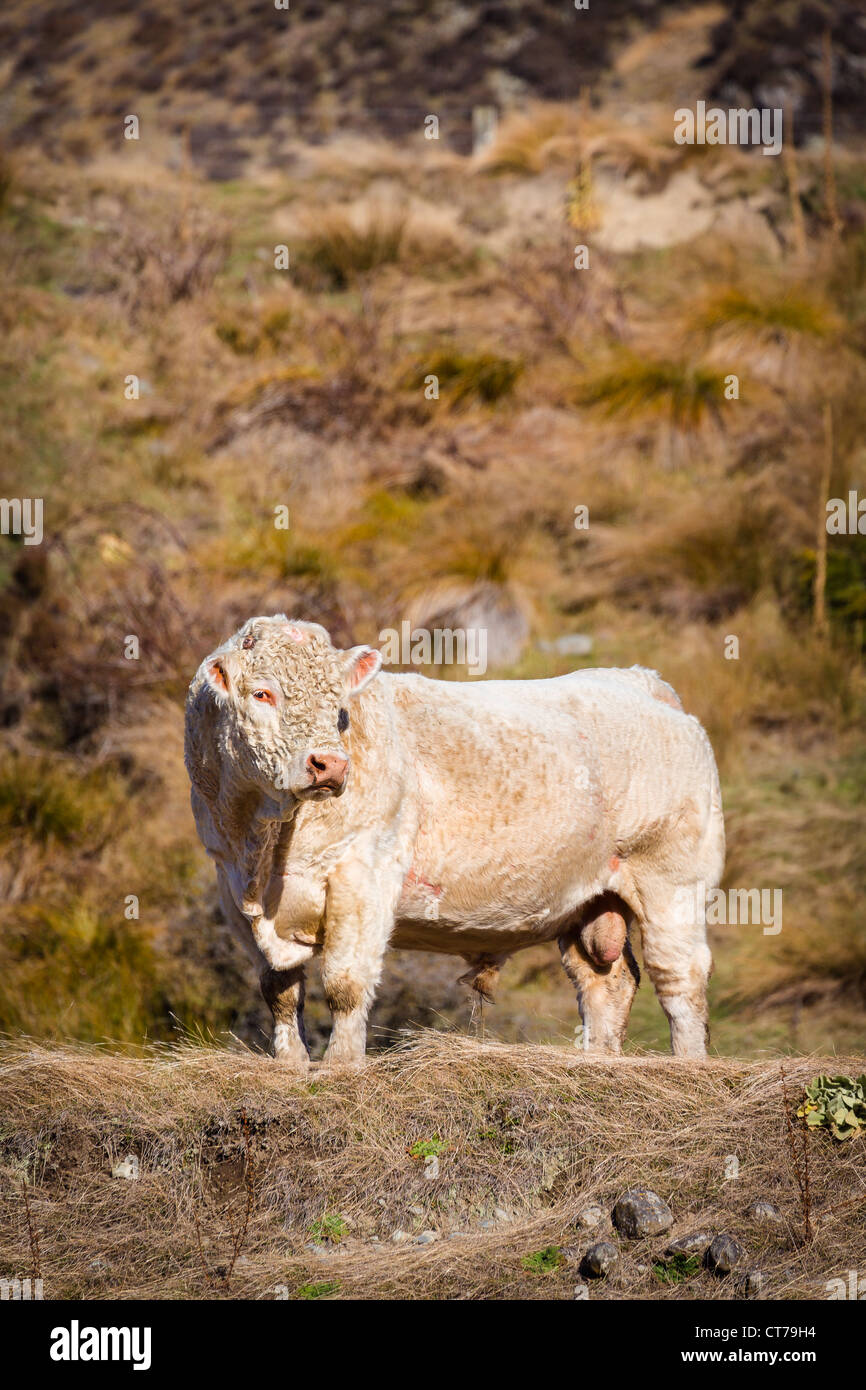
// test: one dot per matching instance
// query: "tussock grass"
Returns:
(535, 1132)
(680, 390)
(344, 242)
(789, 312)
(467, 376)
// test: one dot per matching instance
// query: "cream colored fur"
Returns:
(478, 818)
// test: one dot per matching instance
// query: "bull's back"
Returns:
(528, 787)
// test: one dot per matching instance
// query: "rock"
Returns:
(590, 1217)
(571, 644)
(417, 1211)
(764, 1212)
(431, 1167)
(398, 1236)
(480, 611)
(500, 1214)
(427, 1237)
(581, 1291)
(753, 1282)
(599, 1260)
(695, 1243)
(641, 1212)
(724, 1254)
(127, 1167)
(550, 1171)
(486, 1225)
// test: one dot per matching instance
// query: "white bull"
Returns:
(347, 810)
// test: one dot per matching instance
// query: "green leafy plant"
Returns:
(543, 1261)
(427, 1148)
(677, 1269)
(321, 1290)
(331, 1227)
(837, 1102)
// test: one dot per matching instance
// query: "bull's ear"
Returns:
(221, 674)
(360, 666)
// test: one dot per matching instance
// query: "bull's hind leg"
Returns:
(679, 963)
(599, 962)
(283, 991)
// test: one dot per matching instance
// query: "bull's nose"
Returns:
(327, 770)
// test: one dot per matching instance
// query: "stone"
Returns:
(695, 1243)
(500, 1214)
(590, 1217)
(599, 1260)
(753, 1283)
(398, 1236)
(641, 1212)
(427, 1237)
(764, 1212)
(468, 608)
(571, 644)
(724, 1254)
(128, 1167)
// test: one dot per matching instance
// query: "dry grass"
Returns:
(537, 1132)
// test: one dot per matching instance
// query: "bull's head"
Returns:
(282, 693)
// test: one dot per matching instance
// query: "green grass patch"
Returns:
(543, 1261)
(331, 1227)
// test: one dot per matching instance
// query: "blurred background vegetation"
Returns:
(304, 388)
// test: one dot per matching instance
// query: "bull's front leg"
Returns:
(283, 991)
(359, 919)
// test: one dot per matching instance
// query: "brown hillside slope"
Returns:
(237, 79)
(252, 1182)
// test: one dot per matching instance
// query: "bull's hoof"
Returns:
(336, 1061)
(293, 1062)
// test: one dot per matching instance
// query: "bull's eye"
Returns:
(343, 721)
(266, 697)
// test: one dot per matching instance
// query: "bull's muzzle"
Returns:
(327, 772)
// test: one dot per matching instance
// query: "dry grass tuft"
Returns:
(252, 1179)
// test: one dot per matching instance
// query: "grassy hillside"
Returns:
(261, 389)
(252, 1185)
